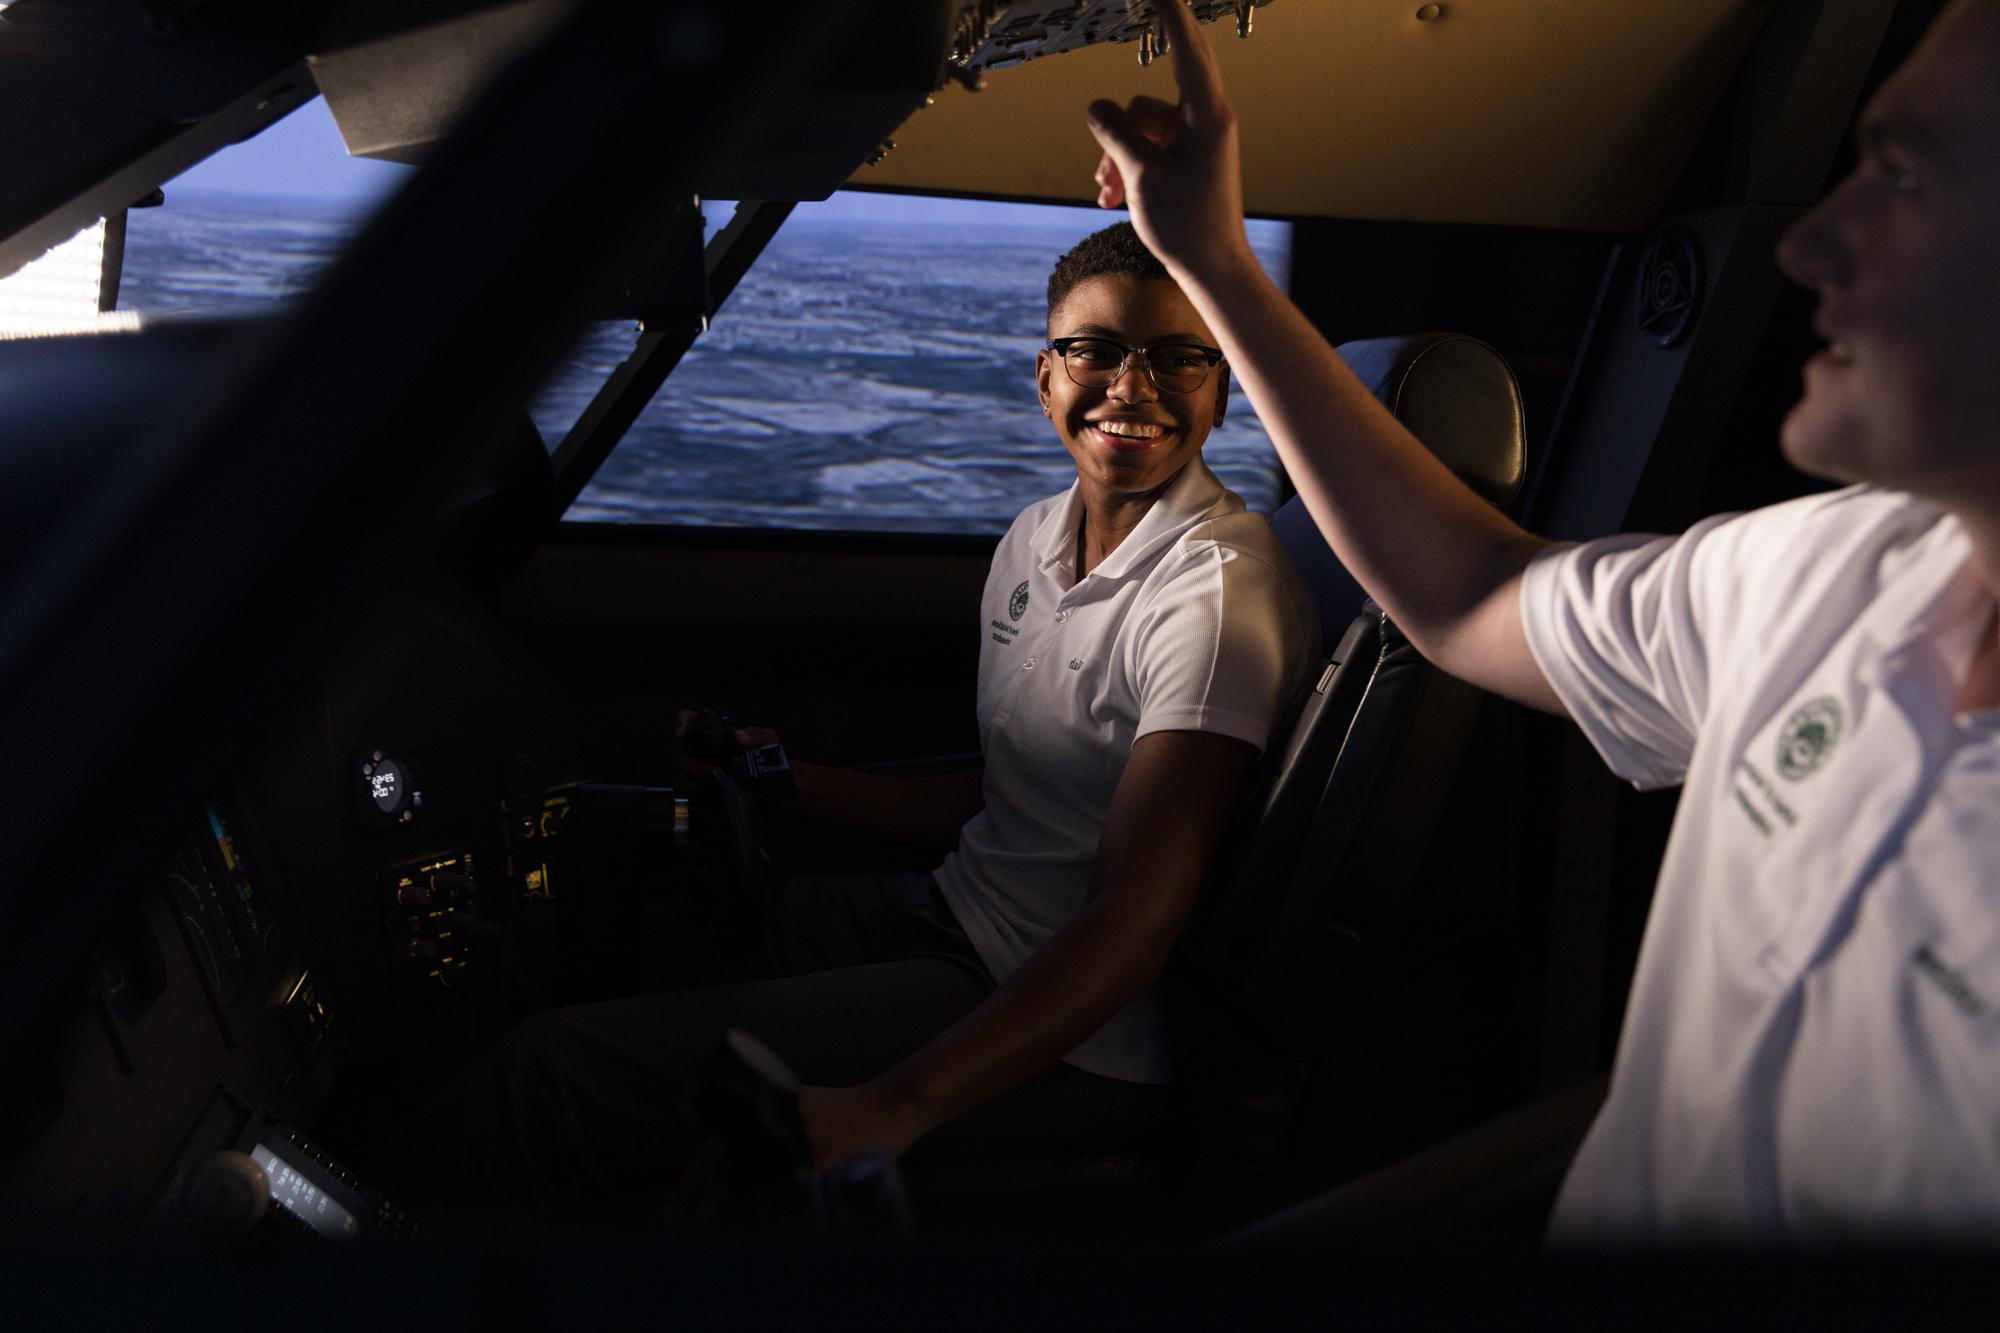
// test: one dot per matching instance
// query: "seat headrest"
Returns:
(1455, 394)
(1459, 397)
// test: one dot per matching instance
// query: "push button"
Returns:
(1061, 616)
(1028, 665)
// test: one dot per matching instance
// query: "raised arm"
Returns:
(1166, 818)
(1443, 562)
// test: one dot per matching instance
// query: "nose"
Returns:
(1814, 251)
(1135, 381)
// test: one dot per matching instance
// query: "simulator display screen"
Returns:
(299, 1196)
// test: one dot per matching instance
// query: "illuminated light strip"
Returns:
(215, 820)
(60, 291)
(117, 321)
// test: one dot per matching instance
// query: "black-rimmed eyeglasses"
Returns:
(1097, 363)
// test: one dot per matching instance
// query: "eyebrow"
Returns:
(1909, 135)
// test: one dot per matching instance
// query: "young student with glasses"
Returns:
(1140, 635)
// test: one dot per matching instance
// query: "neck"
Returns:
(1108, 519)
(1981, 686)
(1982, 528)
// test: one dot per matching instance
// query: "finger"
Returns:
(1194, 63)
(1110, 185)
(683, 720)
(1158, 121)
(1122, 140)
(751, 737)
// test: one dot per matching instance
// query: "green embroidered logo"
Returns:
(1019, 602)
(1808, 736)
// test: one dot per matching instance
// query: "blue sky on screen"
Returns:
(301, 156)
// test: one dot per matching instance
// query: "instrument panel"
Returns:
(215, 901)
(992, 34)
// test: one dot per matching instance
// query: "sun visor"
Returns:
(395, 95)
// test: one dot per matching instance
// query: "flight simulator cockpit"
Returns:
(334, 749)
(309, 822)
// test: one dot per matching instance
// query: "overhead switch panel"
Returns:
(996, 33)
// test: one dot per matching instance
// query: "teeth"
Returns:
(1131, 430)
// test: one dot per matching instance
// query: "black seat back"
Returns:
(1307, 896)
(1458, 396)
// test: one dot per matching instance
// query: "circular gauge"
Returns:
(386, 786)
(385, 791)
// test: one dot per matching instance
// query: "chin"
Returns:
(1829, 448)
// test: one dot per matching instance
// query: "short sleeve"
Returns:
(1620, 628)
(1221, 646)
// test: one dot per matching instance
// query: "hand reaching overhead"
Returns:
(1176, 166)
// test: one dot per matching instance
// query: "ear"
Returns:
(1222, 393)
(1045, 364)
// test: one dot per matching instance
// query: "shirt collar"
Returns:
(1935, 593)
(1193, 495)
(1929, 630)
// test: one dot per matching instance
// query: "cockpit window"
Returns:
(873, 371)
(253, 224)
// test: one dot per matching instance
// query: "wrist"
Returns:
(1218, 269)
(907, 1102)
(811, 784)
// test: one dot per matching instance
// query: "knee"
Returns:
(536, 1047)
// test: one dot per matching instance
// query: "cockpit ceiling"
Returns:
(1552, 113)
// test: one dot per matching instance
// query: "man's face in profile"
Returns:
(1905, 255)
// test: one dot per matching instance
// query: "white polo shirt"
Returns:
(1813, 1044)
(1197, 622)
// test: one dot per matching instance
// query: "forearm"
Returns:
(1089, 970)
(1160, 835)
(928, 809)
(1442, 561)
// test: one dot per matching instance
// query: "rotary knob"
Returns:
(227, 1192)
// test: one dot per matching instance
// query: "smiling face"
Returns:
(1128, 438)
(1903, 256)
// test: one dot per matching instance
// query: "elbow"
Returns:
(1139, 934)
(1463, 629)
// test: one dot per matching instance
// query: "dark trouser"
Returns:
(580, 1111)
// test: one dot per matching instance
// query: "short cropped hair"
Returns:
(1116, 250)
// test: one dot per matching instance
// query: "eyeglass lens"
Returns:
(1095, 363)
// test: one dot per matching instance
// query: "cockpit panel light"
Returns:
(60, 293)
